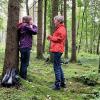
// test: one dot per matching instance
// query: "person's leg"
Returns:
(25, 55)
(22, 62)
(63, 83)
(57, 67)
(62, 74)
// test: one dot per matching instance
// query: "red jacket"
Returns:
(58, 39)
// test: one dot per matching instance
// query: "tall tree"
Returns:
(73, 55)
(45, 13)
(81, 35)
(27, 8)
(35, 11)
(54, 13)
(99, 65)
(65, 21)
(39, 35)
(34, 18)
(92, 6)
(86, 21)
(98, 42)
(11, 51)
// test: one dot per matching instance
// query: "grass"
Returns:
(41, 77)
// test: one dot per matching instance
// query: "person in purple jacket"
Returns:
(25, 31)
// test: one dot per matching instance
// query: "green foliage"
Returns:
(41, 77)
(79, 3)
(88, 79)
(88, 60)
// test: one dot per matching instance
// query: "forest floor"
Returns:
(41, 77)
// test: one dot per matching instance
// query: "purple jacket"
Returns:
(25, 33)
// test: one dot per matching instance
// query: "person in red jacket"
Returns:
(57, 43)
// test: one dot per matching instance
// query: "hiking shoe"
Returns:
(63, 85)
(55, 88)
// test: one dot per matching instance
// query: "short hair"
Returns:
(59, 18)
(27, 19)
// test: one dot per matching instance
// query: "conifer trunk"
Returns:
(11, 51)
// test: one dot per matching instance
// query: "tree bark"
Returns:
(27, 8)
(65, 21)
(99, 65)
(54, 13)
(79, 47)
(73, 55)
(39, 35)
(45, 12)
(98, 42)
(11, 51)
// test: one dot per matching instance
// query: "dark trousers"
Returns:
(59, 76)
(25, 56)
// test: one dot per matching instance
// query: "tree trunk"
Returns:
(91, 40)
(11, 51)
(86, 47)
(73, 55)
(27, 8)
(98, 43)
(39, 35)
(65, 21)
(45, 11)
(99, 65)
(61, 7)
(78, 26)
(34, 12)
(79, 47)
(34, 21)
(92, 6)
(54, 13)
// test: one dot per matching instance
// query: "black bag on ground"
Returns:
(10, 78)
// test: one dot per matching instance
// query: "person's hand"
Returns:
(31, 26)
(49, 37)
